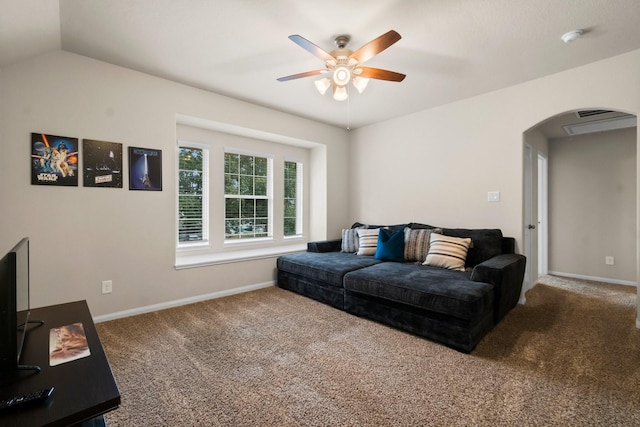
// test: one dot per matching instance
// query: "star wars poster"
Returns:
(54, 160)
(145, 169)
(102, 163)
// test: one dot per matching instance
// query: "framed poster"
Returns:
(145, 169)
(54, 160)
(102, 163)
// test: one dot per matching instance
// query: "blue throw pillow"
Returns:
(390, 245)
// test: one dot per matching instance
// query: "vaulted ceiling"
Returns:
(450, 49)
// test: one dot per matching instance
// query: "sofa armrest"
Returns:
(506, 273)
(334, 245)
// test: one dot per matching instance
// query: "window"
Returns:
(238, 197)
(247, 196)
(292, 198)
(192, 194)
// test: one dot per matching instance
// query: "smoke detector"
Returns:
(571, 35)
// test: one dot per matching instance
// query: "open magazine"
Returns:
(67, 343)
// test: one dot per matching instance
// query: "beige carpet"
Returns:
(570, 356)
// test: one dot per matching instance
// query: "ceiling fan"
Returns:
(346, 66)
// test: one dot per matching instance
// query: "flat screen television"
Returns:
(14, 305)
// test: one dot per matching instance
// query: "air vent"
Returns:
(601, 125)
(589, 113)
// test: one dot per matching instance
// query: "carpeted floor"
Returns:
(569, 356)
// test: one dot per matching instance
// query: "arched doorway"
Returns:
(565, 136)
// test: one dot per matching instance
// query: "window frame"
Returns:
(299, 198)
(220, 250)
(269, 197)
(206, 196)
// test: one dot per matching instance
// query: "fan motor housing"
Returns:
(342, 40)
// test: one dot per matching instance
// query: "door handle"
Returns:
(531, 227)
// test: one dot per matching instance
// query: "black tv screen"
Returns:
(14, 303)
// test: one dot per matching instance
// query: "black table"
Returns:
(84, 388)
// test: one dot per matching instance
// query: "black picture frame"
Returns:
(145, 169)
(54, 160)
(102, 163)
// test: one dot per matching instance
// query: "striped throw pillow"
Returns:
(416, 243)
(447, 252)
(368, 242)
(350, 240)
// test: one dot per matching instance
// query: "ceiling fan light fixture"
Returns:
(322, 85)
(341, 76)
(360, 83)
(343, 65)
(340, 93)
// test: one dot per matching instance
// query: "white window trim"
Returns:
(196, 254)
(207, 259)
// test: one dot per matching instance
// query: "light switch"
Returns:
(493, 196)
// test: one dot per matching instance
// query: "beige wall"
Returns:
(592, 205)
(436, 166)
(81, 236)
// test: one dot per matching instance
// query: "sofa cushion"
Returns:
(329, 267)
(419, 226)
(435, 289)
(447, 252)
(368, 241)
(394, 227)
(332, 245)
(416, 243)
(486, 243)
(390, 246)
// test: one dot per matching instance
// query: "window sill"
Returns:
(203, 260)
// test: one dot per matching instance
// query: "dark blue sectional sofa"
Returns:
(454, 308)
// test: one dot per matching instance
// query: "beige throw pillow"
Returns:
(447, 252)
(368, 241)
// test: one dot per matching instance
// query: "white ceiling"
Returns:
(450, 49)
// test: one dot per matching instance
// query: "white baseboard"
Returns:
(594, 278)
(177, 303)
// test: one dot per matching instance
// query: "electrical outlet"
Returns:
(609, 260)
(107, 286)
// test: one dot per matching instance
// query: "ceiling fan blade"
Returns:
(377, 73)
(310, 47)
(301, 75)
(375, 46)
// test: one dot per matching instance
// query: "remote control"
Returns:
(32, 397)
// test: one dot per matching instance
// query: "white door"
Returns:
(543, 228)
(528, 214)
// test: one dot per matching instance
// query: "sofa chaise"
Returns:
(451, 286)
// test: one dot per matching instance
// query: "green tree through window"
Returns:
(246, 188)
(191, 195)
(291, 202)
